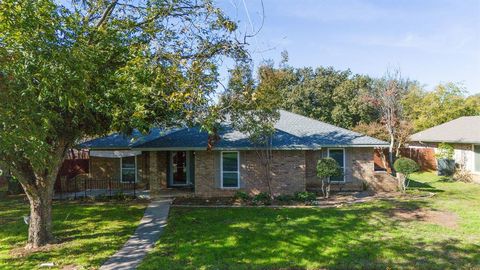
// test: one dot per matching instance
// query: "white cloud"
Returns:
(445, 40)
(334, 10)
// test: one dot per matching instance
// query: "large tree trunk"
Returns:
(38, 185)
(40, 224)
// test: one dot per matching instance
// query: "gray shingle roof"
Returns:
(461, 130)
(122, 141)
(293, 131)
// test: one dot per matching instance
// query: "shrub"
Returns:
(444, 151)
(262, 198)
(285, 198)
(406, 167)
(326, 168)
(242, 195)
(305, 196)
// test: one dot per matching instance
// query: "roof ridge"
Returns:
(316, 120)
(445, 123)
(166, 133)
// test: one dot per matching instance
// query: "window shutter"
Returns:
(242, 161)
(217, 171)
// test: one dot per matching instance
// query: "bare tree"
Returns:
(387, 95)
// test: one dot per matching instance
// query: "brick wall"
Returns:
(288, 173)
(157, 171)
(359, 171)
(292, 171)
(109, 168)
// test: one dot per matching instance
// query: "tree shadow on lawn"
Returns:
(87, 234)
(422, 186)
(265, 238)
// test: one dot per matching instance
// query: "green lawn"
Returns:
(89, 232)
(364, 236)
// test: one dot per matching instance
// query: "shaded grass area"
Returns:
(89, 233)
(365, 236)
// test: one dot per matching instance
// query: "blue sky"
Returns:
(431, 41)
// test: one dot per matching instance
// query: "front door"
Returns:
(179, 172)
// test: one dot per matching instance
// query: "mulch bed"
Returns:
(334, 200)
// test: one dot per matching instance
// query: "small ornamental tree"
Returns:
(326, 168)
(445, 151)
(405, 167)
(253, 107)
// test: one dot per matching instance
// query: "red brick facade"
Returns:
(291, 171)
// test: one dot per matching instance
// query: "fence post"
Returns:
(134, 189)
(85, 188)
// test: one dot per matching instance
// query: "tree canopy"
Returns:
(90, 67)
(329, 95)
(445, 103)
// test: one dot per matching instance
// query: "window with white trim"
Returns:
(230, 169)
(338, 154)
(128, 169)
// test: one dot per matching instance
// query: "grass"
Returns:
(364, 236)
(89, 233)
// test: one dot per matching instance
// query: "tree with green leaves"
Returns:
(92, 67)
(405, 167)
(327, 167)
(328, 95)
(445, 103)
(253, 107)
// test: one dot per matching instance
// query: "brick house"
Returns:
(178, 158)
(463, 134)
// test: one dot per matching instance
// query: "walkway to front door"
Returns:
(142, 241)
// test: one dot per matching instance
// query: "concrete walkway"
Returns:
(144, 238)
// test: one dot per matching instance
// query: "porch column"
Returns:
(162, 169)
(154, 176)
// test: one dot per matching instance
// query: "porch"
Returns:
(94, 189)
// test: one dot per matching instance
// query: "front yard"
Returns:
(89, 233)
(441, 232)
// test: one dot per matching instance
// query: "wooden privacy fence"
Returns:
(425, 157)
(70, 169)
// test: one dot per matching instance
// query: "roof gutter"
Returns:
(256, 148)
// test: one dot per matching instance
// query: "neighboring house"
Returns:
(179, 158)
(462, 133)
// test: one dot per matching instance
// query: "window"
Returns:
(230, 170)
(128, 169)
(339, 155)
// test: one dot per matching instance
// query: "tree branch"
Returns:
(108, 11)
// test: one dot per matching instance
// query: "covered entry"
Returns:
(181, 168)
